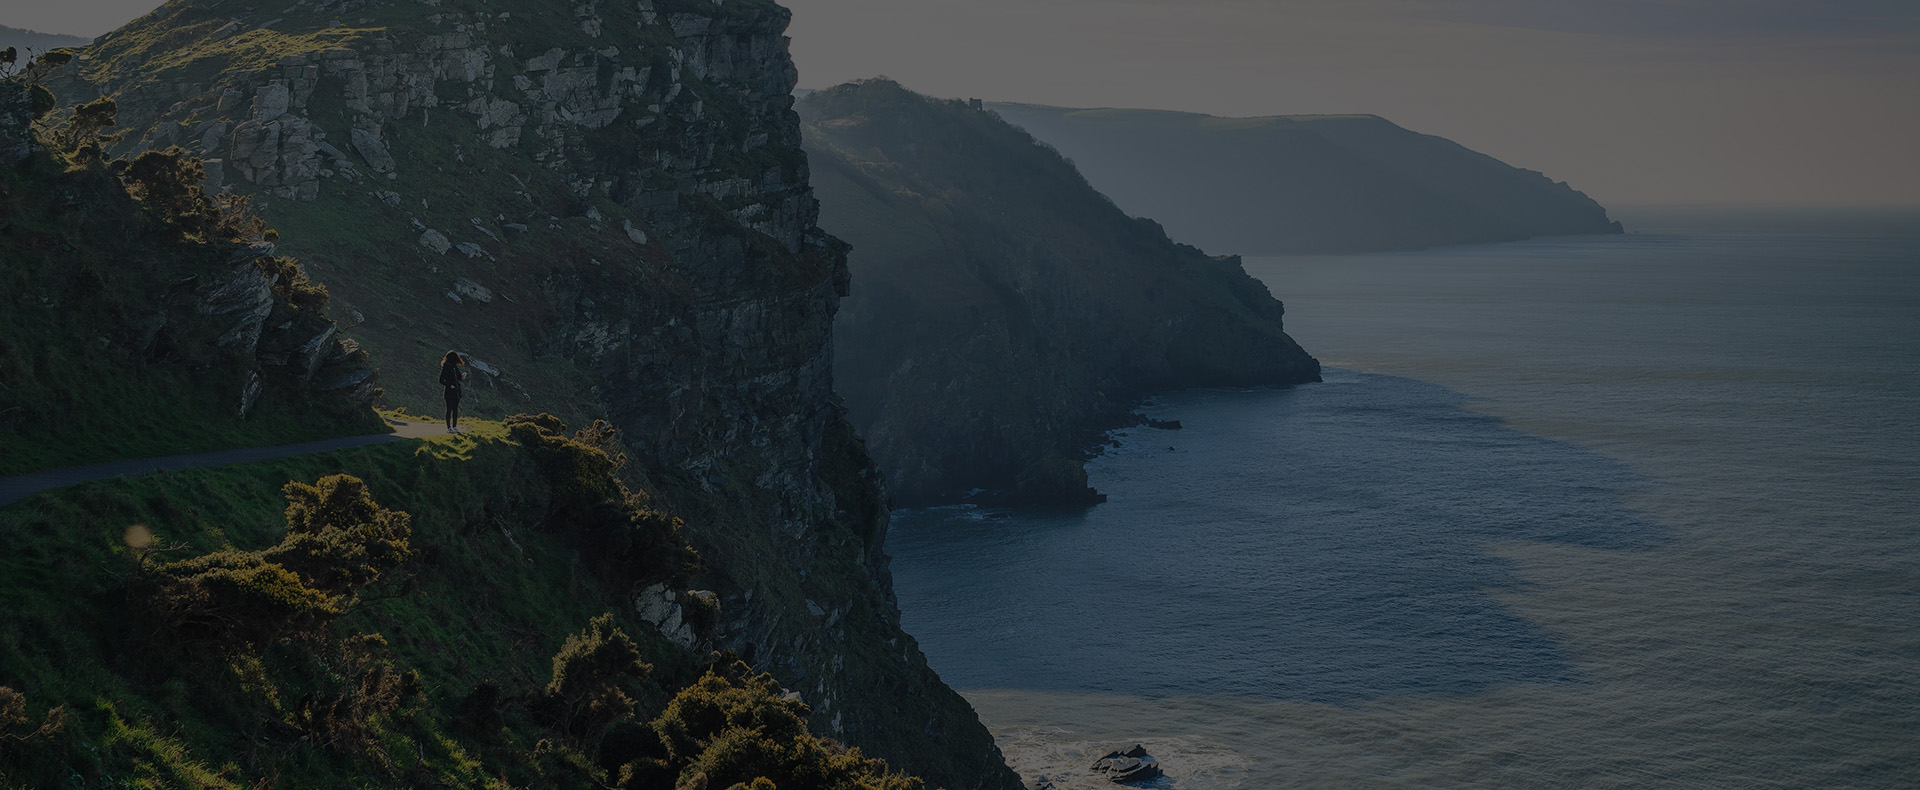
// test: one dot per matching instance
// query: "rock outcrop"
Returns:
(1004, 312)
(103, 293)
(1307, 183)
(609, 203)
(1126, 766)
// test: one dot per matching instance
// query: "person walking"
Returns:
(451, 377)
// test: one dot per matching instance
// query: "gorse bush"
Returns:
(734, 729)
(339, 541)
(619, 532)
(83, 132)
(338, 538)
(592, 676)
(364, 684)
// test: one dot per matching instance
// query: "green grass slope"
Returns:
(499, 652)
(1002, 310)
(1306, 184)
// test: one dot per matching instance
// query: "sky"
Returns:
(1631, 101)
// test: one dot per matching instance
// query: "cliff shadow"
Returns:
(1326, 543)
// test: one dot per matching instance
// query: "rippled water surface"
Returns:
(1602, 511)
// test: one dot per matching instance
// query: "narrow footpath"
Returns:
(14, 489)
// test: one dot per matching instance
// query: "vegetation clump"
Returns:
(618, 529)
(339, 542)
(734, 728)
(592, 678)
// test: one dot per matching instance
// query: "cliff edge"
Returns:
(1003, 312)
(605, 206)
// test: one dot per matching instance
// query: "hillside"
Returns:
(607, 208)
(138, 323)
(1003, 312)
(1307, 183)
(453, 614)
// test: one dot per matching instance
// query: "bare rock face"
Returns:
(625, 187)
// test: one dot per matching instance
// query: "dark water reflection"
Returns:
(1327, 543)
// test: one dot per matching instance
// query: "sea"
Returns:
(1636, 511)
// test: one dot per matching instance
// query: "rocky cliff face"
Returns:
(1308, 183)
(1003, 311)
(606, 206)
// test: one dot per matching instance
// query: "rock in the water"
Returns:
(1130, 765)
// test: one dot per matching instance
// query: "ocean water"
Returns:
(1626, 511)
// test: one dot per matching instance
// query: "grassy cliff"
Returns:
(138, 318)
(1307, 183)
(154, 636)
(1003, 312)
(606, 207)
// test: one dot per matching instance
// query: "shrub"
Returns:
(236, 600)
(338, 542)
(84, 127)
(619, 532)
(591, 676)
(338, 538)
(364, 685)
(735, 729)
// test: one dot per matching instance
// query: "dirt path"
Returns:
(14, 489)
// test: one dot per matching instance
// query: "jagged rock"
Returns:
(215, 171)
(1130, 765)
(250, 392)
(472, 290)
(271, 101)
(436, 241)
(471, 250)
(315, 352)
(348, 380)
(246, 292)
(481, 365)
(660, 605)
(372, 150)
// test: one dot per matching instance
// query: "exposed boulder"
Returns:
(1125, 766)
